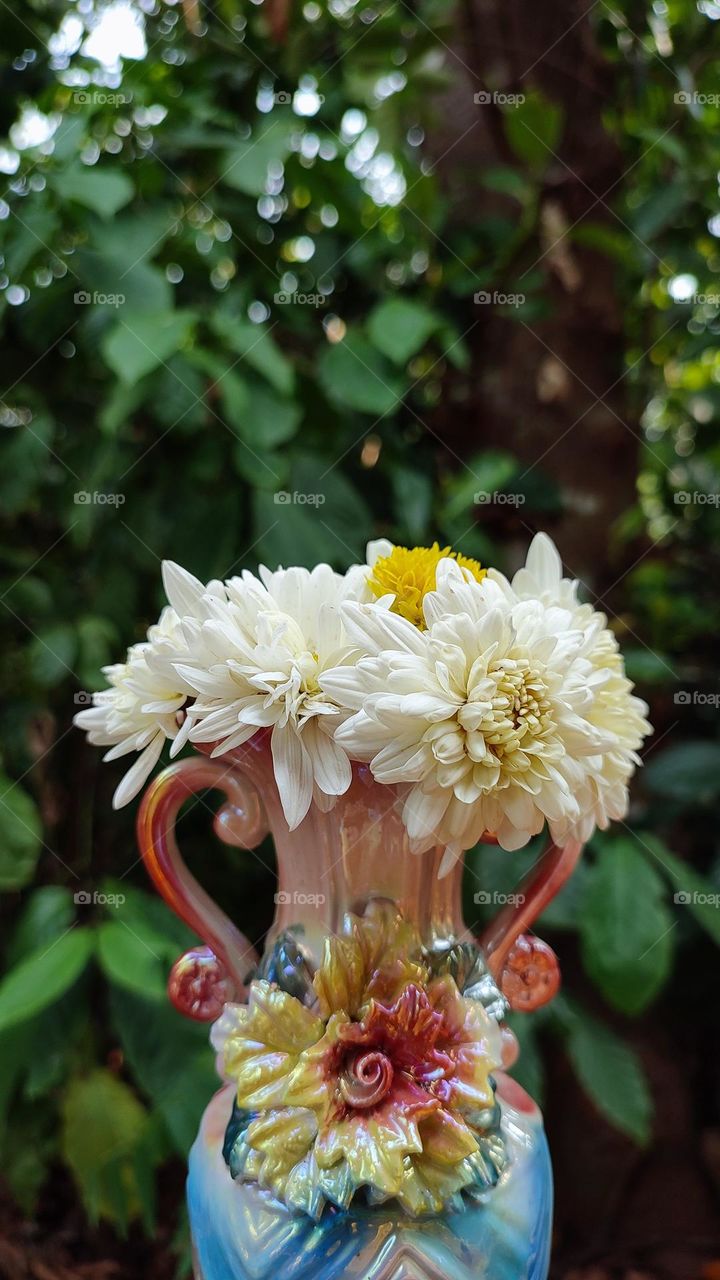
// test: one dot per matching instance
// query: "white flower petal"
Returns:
(331, 768)
(377, 550)
(137, 775)
(293, 774)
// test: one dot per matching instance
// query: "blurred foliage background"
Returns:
(454, 271)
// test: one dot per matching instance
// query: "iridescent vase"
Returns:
(335, 862)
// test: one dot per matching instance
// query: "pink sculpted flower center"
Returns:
(399, 1054)
(366, 1078)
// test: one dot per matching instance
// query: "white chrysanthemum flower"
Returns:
(499, 717)
(257, 664)
(138, 713)
(603, 795)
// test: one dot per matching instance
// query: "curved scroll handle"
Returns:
(524, 966)
(203, 979)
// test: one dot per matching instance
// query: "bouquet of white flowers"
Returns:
(494, 706)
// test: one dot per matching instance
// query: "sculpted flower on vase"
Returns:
(384, 1086)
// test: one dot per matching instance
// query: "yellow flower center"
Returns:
(408, 573)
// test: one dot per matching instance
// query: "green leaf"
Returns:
(534, 129)
(646, 667)
(320, 517)
(255, 345)
(135, 236)
(147, 914)
(482, 476)
(626, 927)
(69, 135)
(13, 1064)
(105, 1132)
(692, 891)
(245, 166)
(30, 237)
(47, 913)
(29, 1147)
(20, 835)
(115, 282)
(135, 958)
(43, 977)
(611, 1074)
(139, 343)
(264, 420)
(400, 327)
(355, 376)
(661, 209)
(688, 772)
(121, 403)
(171, 1060)
(98, 643)
(52, 654)
(507, 182)
(104, 191)
(413, 495)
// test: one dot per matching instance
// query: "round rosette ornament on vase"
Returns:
(378, 723)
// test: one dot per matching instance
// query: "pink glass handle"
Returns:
(206, 977)
(526, 967)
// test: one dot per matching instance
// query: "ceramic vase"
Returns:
(340, 861)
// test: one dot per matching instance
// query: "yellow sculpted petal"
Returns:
(373, 1149)
(431, 1178)
(262, 1049)
(446, 1139)
(340, 981)
(309, 1083)
(478, 1050)
(280, 1139)
(376, 955)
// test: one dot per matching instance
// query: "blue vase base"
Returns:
(241, 1232)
